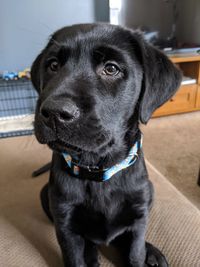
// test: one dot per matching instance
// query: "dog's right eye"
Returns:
(53, 65)
(110, 69)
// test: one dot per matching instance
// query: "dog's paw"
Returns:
(154, 257)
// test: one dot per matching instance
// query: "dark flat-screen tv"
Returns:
(171, 25)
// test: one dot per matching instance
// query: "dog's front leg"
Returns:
(71, 244)
(137, 252)
(132, 244)
(72, 247)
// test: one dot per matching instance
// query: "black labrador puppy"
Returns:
(96, 82)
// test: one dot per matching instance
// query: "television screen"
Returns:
(168, 24)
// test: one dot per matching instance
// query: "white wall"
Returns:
(25, 25)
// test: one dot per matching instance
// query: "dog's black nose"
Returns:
(62, 110)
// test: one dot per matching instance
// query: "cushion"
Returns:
(27, 238)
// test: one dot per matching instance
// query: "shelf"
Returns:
(178, 58)
(188, 80)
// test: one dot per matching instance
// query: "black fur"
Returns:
(92, 112)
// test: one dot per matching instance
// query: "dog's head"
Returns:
(95, 82)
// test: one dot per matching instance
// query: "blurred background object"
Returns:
(170, 24)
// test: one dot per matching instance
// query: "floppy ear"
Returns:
(161, 79)
(36, 73)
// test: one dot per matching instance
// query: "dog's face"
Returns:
(95, 82)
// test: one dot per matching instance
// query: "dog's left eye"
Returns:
(111, 69)
(53, 65)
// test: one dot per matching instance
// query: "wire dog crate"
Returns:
(17, 106)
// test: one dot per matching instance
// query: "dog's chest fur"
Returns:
(105, 214)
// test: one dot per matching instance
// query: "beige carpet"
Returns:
(27, 238)
(172, 145)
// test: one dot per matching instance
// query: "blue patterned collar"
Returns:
(98, 174)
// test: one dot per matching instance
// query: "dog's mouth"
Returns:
(62, 146)
(73, 149)
(74, 140)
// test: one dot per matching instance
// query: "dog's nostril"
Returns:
(69, 111)
(45, 113)
(69, 115)
(66, 116)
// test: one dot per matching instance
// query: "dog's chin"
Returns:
(61, 146)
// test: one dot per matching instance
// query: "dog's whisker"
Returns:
(47, 26)
(32, 141)
(25, 144)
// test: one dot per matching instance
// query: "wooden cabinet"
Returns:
(187, 97)
(198, 98)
